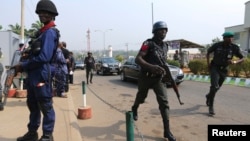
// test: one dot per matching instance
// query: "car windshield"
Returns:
(78, 62)
(109, 60)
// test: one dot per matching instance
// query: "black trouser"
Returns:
(67, 83)
(144, 84)
(217, 75)
(89, 74)
(71, 78)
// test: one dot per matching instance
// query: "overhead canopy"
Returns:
(181, 44)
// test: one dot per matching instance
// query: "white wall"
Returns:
(9, 43)
(247, 12)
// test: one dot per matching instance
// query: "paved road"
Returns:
(110, 98)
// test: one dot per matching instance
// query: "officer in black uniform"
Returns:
(223, 53)
(151, 74)
(89, 62)
(1, 101)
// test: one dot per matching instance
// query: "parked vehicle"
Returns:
(130, 70)
(107, 65)
(79, 65)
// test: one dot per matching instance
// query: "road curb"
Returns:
(244, 82)
(75, 134)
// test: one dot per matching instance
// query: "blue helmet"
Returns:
(159, 25)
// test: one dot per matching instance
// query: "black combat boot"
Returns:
(1, 106)
(47, 137)
(135, 114)
(29, 136)
(211, 105)
(91, 76)
(207, 99)
(211, 110)
(167, 132)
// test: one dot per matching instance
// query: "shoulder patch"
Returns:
(144, 46)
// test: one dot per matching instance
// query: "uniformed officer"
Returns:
(151, 74)
(223, 53)
(89, 62)
(1, 100)
(38, 81)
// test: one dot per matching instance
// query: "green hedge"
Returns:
(241, 69)
(198, 66)
(174, 63)
(238, 70)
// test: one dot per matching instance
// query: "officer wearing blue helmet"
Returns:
(151, 74)
(38, 81)
(223, 53)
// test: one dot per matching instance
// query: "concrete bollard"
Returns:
(84, 112)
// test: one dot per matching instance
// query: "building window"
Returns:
(236, 36)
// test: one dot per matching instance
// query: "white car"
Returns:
(79, 65)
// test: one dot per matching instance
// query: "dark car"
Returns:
(107, 65)
(79, 65)
(130, 70)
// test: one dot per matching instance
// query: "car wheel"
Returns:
(119, 72)
(123, 77)
(102, 71)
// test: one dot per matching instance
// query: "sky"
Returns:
(125, 24)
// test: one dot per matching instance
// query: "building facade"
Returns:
(242, 32)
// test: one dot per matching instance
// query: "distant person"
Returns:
(66, 54)
(1, 88)
(71, 67)
(1, 53)
(38, 68)
(223, 53)
(177, 55)
(61, 72)
(151, 73)
(89, 62)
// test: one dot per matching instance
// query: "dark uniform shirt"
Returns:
(223, 54)
(155, 52)
(90, 62)
(66, 56)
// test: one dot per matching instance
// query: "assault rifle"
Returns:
(169, 76)
(10, 74)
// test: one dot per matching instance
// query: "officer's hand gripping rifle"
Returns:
(169, 75)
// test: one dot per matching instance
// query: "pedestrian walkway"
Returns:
(14, 120)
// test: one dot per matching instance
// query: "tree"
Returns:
(15, 28)
(120, 58)
(204, 50)
(1, 27)
(34, 28)
(27, 32)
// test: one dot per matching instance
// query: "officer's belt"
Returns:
(152, 75)
(220, 67)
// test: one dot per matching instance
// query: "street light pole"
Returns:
(104, 40)
(127, 49)
(152, 10)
